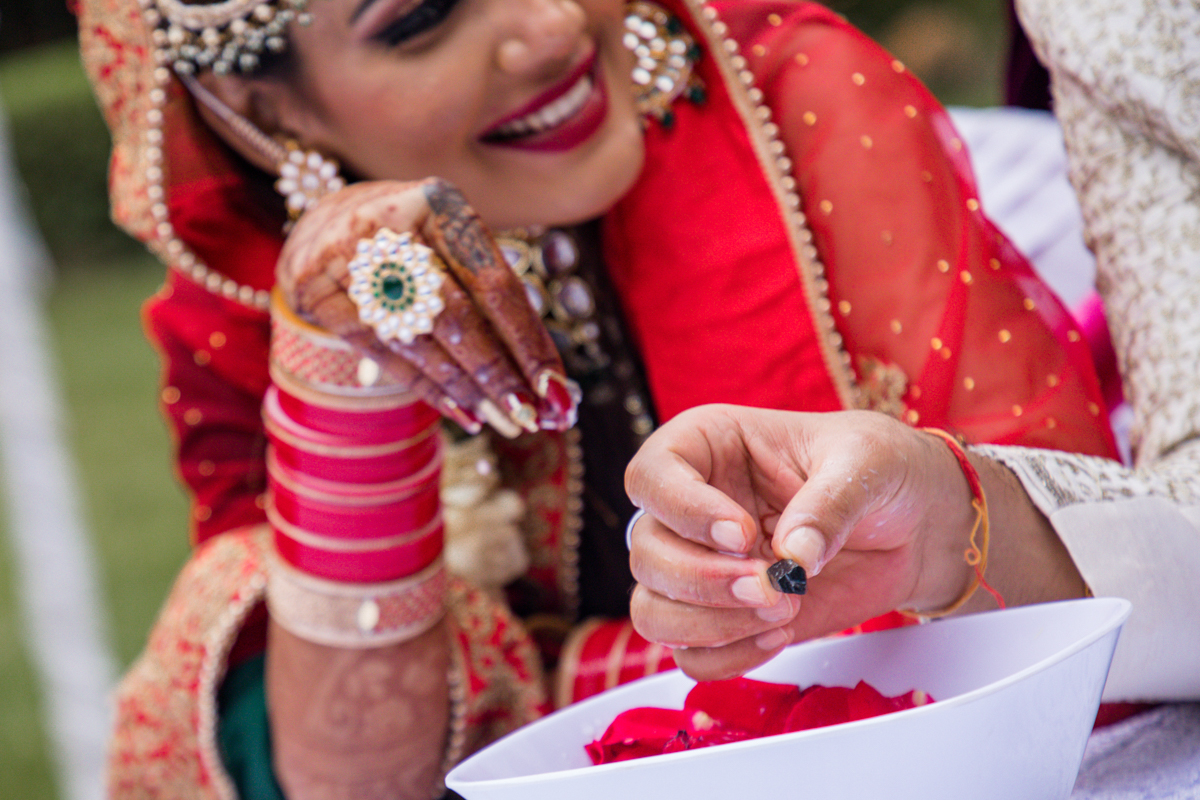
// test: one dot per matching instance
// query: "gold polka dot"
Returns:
(802, 59)
(858, 79)
(887, 237)
(202, 357)
(927, 176)
(1073, 336)
(896, 326)
(826, 206)
(1051, 422)
(217, 340)
(915, 392)
(775, 19)
(1052, 380)
(994, 263)
(1018, 411)
(944, 353)
(935, 343)
(898, 66)
(910, 111)
(809, 118)
(203, 513)
(912, 416)
(972, 204)
(1005, 336)
(207, 468)
(866, 142)
(844, 307)
(193, 416)
(170, 395)
(966, 277)
(1095, 409)
(943, 265)
(261, 501)
(956, 144)
(1029, 304)
(968, 383)
(759, 50)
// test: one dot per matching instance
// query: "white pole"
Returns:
(55, 569)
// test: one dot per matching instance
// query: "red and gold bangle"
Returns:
(356, 615)
(976, 554)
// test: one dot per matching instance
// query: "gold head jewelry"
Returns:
(224, 36)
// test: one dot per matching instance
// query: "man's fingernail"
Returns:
(728, 536)
(805, 546)
(772, 640)
(776, 613)
(749, 589)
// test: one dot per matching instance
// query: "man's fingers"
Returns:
(682, 570)
(664, 480)
(732, 660)
(670, 622)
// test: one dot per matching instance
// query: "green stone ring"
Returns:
(395, 282)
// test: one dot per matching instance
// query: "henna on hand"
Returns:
(360, 724)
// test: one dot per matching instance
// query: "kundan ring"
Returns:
(395, 282)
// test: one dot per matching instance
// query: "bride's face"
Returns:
(524, 104)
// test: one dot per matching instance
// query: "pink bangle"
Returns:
(315, 556)
(383, 425)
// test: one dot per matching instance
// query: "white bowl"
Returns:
(1016, 690)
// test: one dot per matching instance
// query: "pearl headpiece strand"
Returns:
(225, 36)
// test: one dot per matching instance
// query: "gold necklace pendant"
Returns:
(666, 57)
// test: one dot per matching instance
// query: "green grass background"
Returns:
(135, 510)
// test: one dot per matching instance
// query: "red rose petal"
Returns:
(757, 707)
(718, 712)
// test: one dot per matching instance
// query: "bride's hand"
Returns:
(877, 513)
(488, 357)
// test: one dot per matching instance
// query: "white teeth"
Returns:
(550, 115)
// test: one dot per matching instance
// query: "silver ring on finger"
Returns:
(395, 281)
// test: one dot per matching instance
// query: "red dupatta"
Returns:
(922, 308)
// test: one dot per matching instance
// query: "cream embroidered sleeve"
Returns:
(1127, 92)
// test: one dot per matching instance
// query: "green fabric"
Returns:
(243, 733)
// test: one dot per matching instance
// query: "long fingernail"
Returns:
(778, 612)
(749, 589)
(727, 535)
(522, 413)
(805, 546)
(773, 639)
(560, 393)
(460, 416)
(498, 419)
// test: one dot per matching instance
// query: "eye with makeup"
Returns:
(425, 17)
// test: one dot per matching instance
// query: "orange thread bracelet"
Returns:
(977, 554)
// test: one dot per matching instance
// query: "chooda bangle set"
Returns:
(353, 471)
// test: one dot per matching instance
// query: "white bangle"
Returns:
(641, 512)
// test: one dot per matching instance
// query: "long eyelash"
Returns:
(424, 17)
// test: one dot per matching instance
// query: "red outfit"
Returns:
(922, 309)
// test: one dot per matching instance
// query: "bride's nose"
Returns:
(538, 34)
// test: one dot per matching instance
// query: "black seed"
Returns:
(788, 577)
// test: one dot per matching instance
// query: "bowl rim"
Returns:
(1120, 610)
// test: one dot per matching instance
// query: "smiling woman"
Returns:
(564, 220)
